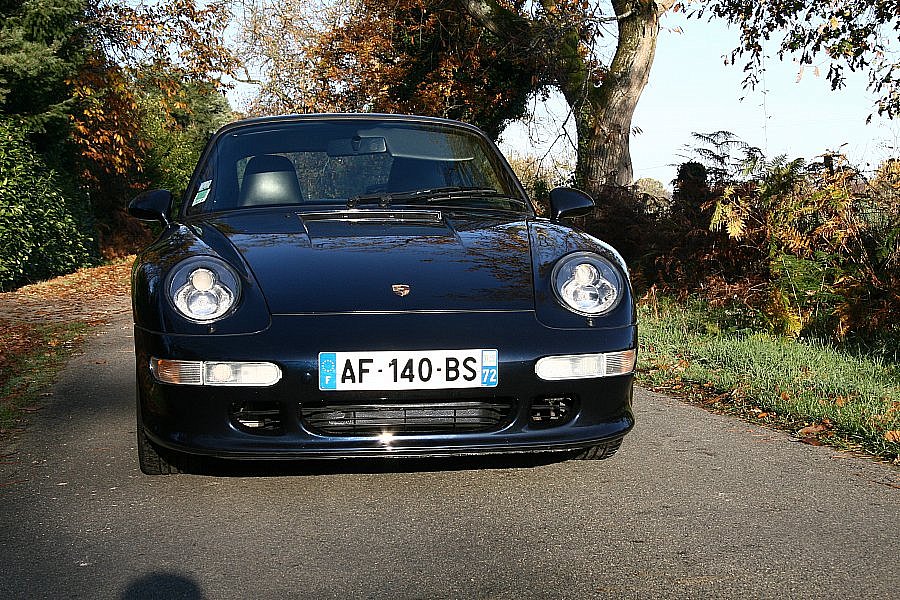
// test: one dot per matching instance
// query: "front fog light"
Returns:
(241, 373)
(583, 366)
(195, 372)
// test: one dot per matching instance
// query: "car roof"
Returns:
(296, 118)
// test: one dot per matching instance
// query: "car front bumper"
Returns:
(201, 419)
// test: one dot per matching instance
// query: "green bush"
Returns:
(177, 137)
(831, 268)
(800, 249)
(43, 217)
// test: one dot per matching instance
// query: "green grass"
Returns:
(687, 349)
(33, 367)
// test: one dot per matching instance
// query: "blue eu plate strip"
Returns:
(327, 371)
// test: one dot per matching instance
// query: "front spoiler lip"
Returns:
(619, 429)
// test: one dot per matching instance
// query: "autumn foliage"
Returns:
(402, 56)
(82, 81)
(797, 248)
(107, 127)
(164, 46)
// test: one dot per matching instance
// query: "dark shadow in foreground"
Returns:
(163, 585)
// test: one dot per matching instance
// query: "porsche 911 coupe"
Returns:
(336, 286)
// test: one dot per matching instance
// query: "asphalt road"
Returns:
(694, 505)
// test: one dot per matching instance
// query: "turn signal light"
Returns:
(195, 372)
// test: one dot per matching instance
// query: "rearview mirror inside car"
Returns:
(357, 145)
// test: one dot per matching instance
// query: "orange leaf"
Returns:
(811, 430)
(892, 436)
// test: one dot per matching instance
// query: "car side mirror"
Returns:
(566, 202)
(152, 205)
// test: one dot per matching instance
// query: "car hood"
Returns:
(424, 261)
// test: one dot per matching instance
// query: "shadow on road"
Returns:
(163, 585)
(359, 466)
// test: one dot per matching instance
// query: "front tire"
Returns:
(152, 460)
(599, 452)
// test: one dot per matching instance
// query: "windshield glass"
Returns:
(353, 163)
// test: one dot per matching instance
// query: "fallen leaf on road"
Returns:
(811, 433)
(812, 441)
(812, 430)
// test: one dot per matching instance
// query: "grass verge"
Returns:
(31, 356)
(821, 393)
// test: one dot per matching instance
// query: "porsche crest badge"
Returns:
(401, 289)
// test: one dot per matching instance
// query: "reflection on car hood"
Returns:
(475, 261)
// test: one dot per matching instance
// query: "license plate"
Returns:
(398, 370)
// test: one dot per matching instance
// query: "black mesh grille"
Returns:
(407, 417)
(258, 417)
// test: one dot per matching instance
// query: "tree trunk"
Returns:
(603, 114)
(602, 111)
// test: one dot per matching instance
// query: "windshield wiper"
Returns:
(487, 194)
(433, 195)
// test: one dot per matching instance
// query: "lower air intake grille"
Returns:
(550, 412)
(407, 417)
(258, 417)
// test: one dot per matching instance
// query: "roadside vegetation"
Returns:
(99, 100)
(824, 394)
(31, 356)
(770, 288)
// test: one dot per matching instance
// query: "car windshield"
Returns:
(353, 163)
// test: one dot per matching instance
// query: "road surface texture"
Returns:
(694, 505)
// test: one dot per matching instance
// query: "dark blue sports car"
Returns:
(338, 286)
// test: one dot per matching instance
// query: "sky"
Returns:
(692, 90)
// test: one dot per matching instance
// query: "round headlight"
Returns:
(203, 289)
(587, 283)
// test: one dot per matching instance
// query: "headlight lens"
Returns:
(203, 289)
(587, 283)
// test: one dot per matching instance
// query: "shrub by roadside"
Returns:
(43, 217)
